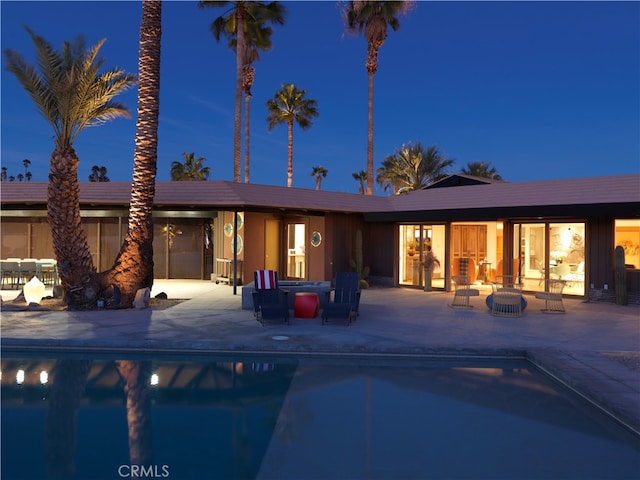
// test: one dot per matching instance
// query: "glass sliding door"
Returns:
(414, 242)
(550, 250)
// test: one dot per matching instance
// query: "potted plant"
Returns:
(411, 248)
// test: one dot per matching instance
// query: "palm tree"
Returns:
(481, 169)
(98, 174)
(3, 175)
(373, 17)
(227, 24)
(28, 176)
(190, 170)
(412, 167)
(289, 106)
(133, 267)
(71, 95)
(319, 172)
(26, 162)
(20, 177)
(258, 38)
(361, 177)
(103, 175)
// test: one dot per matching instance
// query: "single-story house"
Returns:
(565, 228)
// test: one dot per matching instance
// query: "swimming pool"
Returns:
(321, 417)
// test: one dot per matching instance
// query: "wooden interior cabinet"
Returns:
(469, 241)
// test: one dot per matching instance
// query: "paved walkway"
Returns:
(582, 347)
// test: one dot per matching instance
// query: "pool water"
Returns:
(305, 418)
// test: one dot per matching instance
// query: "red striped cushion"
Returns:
(265, 279)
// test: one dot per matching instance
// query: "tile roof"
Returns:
(620, 189)
(576, 191)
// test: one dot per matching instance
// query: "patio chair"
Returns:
(9, 273)
(269, 301)
(463, 292)
(28, 270)
(346, 298)
(552, 296)
(507, 297)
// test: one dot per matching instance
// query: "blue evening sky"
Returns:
(541, 90)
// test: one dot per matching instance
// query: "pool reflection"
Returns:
(248, 418)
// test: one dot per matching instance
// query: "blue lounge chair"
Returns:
(346, 298)
(269, 301)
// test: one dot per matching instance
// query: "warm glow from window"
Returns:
(628, 237)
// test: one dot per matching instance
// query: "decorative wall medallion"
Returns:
(316, 239)
(236, 243)
(228, 229)
(240, 220)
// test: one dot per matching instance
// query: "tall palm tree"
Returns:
(319, 172)
(289, 105)
(372, 17)
(361, 177)
(413, 167)
(71, 94)
(258, 38)
(191, 169)
(481, 169)
(239, 13)
(133, 267)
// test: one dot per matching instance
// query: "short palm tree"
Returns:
(289, 105)
(71, 94)
(361, 177)
(26, 162)
(481, 169)
(373, 17)
(319, 172)
(239, 14)
(191, 169)
(98, 174)
(412, 167)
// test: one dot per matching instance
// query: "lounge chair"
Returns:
(463, 292)
(552, 296)
(269, 301)
(346, 298)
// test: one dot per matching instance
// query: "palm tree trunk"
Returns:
(133, 268)
(247, 101)
(75, 264)
(370, 138)
(67, 389)
(136, 376)
(289, 153)
(237, 122)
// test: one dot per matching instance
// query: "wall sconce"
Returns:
(33, 291)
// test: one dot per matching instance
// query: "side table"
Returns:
(306, 305)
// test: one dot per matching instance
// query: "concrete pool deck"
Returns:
(585, 348)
